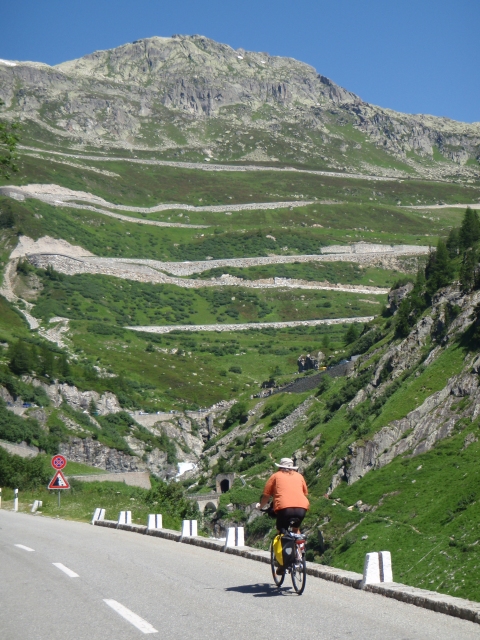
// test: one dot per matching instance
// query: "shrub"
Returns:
(22, 473)
(237, 413)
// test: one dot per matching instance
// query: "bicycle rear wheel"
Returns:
(274, 566)
(299, 573)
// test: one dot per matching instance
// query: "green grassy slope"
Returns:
(429, 518)
(147, 185)
(104, 298)
(105, 236)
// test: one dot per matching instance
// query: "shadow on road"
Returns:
(262, 590)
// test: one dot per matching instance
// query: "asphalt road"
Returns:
(127, 585)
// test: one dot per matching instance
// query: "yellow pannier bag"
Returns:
(278, 549)
(284, 550)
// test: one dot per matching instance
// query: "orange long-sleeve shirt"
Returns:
(288, 489)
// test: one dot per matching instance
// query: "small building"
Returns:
(310, 361)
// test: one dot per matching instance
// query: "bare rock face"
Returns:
(38, 414)
(397, 295)
(470, 439)
(288, 423)
(79, 400)
(92, 452)
(5, 395)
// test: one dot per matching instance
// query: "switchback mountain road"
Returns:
(63, 580)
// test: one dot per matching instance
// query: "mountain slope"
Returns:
(121, 228)
(389, 454)
(190, 97)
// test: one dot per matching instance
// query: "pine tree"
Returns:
(475, 329)
(453, 242)
(64, 367)
(468, 271)
(403, 320)
(20, 358)
(439, 269)
(469, 233)
(352, 334)
(47, 362)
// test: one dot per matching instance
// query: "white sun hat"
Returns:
(286, 463)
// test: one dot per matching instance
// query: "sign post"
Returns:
(59, 481)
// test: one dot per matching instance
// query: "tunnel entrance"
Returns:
(224, 485)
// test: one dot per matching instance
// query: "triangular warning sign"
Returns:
(59, 482)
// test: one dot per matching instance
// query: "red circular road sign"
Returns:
(59, 462)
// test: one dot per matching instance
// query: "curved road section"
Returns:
(128, 586)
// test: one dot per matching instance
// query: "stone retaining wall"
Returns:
(365, 257)
(246, 327)
(132, 478)
(143, 273)
(23, 450)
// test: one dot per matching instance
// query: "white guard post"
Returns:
(377, 568)
(98, 515)
(125, 517)
(154, 521)
(15, 500)
(0, 497)
(189, 528)
(36, 505)
(235, 537)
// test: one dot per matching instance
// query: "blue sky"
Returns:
(416, 56)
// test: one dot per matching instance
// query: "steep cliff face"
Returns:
(159, 93)
(201, 76)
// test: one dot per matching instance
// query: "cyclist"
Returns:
(289, 491)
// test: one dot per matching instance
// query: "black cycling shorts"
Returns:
(284, 516)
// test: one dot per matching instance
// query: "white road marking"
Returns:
(141, 624)
(22, 546)
(62, 567)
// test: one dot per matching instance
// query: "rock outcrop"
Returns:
(92, 452)
(288, 423)
(80, 400)
(397, 295)
(438, 414)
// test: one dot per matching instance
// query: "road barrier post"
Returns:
(124, 517)
(0, 497)
(386, 573)
(189, 529)
(98, 515)
(36, 505)
(15, 500)
(154, 521)
(235, 537)
(377, 568)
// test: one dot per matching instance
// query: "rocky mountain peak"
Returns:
(155, 93)
(197, 61)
